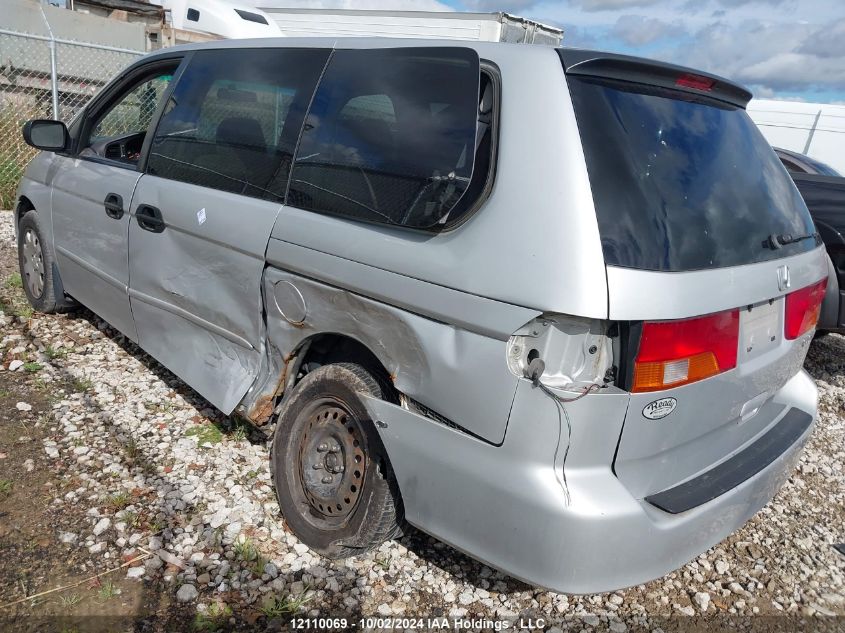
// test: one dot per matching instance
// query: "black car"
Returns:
(823, 189)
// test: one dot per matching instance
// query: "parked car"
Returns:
(522, 298)
(823, 189)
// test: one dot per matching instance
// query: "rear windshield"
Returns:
(682, 182)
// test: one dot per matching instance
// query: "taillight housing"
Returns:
(675, 353)
(802, 309)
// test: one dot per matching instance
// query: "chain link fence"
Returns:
(48, 78)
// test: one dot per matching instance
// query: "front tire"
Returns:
(332, 476)
(35, 261)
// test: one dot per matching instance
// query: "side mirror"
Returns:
(46, 134)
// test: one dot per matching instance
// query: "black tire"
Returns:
(35, 261)
(325, 412)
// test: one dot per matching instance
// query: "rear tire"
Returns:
(332, 475)
(35, 261)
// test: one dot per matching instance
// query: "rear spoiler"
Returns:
(652, 73)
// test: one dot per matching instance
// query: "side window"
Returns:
(118, 131)
(393, 136)
(792, 166)
(233, 119)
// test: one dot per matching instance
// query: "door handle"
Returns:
(149, 218)
(114, 206)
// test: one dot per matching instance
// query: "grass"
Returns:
(14, 281)
(131, 449)
(205, 434)
(246, 550)
(118, 501)
(53, 353)
(18, 309)
(240, 433)
(69, 601)
(277, 607)
(5, 487)
(81, 385)
(107, 590)
(32, 367)
(131, 518)
(214, 619)
(14, 153)
(384, 562)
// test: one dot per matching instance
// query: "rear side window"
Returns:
(391, 137)
(233, 120)
(682, 182)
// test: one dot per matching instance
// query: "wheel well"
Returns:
(324, 349)
(24, 205)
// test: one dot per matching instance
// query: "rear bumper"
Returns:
(509, 506)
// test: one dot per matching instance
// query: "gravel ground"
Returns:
(146, 463)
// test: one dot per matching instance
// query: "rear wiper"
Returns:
(777, 241)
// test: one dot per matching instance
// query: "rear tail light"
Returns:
(675, 353)
(696, 82)
(803, 308)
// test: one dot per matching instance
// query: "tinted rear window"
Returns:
(682, 182)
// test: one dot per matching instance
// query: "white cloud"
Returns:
(638, 30)
(828, 42)
(612, 5)
(511, 6)
(389, 5)
(769, 54)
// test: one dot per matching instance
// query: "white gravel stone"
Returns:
(102, 525)
(135, 572)
(68, 537)
(22, 406)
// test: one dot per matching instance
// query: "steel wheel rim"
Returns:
(33, 264)
(331, 462)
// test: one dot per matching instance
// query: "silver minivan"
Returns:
(547, 305)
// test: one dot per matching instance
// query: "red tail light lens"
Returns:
(803, 308)
(696, 82)
(675, 353)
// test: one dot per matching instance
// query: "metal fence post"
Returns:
(54, 79)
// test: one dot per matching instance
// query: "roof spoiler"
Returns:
(653, 73)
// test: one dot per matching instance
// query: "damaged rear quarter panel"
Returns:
(437, 360)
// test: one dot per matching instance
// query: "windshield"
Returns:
(682, 182)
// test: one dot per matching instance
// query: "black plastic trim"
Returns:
(649, 72)
(739, 468)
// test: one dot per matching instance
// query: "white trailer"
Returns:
(487, 27)
(222, 18)
(814, 129)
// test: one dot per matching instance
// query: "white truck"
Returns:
(487, 27)
(814, 129)
(221, 18)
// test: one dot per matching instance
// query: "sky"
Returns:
(780, 49)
